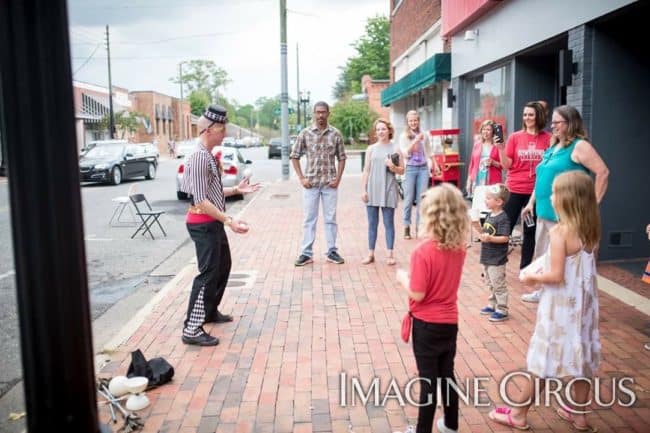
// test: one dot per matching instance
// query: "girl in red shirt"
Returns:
(436, 268)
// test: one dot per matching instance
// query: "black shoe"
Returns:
(203, 339)
(335, 258)
(218, 318)
(303, 260)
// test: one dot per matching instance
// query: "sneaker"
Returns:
(531, 297)
(407, 232)
(497, 317)
(303, 260)
(202, 339)
(487, 310)
(442, 428)
(334, 257)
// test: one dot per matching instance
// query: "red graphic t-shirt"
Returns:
(437, 273)
(526, 151)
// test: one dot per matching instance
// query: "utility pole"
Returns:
(182, 109)
(297, 86)
(111, 121)
(284, 95)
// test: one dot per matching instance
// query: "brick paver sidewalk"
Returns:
(278, 367)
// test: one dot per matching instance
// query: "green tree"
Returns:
(247, 114)
(199, 99)
(352, 118)
(267, 108)
(372, 58)
(202, 75)
(126, 122)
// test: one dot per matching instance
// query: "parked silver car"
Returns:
(186, 147)
(235, 169)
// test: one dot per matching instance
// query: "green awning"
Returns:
(434, 69)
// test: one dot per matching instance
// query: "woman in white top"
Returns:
(416, 149)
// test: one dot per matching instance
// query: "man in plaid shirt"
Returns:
(321, 143)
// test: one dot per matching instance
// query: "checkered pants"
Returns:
(214, 262)
(194, 322)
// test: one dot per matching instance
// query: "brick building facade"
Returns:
(163, 113)
(420, 67)
(409, 20)
(92, 106)
(165, 118)
(372, 89)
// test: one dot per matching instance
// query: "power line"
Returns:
(160, 41)
(88, 59)
(184, 56)
(158, 5)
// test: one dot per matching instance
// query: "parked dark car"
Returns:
(111, 163)
(275, 146)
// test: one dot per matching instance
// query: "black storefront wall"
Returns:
(618, 97)
(41, 157)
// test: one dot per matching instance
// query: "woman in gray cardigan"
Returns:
(383, 161)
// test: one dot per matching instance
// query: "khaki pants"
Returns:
(542, 236)
(495, 277)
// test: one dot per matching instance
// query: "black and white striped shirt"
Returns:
(202, 179)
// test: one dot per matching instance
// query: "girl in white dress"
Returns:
(566, 342)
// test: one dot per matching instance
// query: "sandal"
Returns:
(368, 260)
(390, 261)
(565, 413)
(502, 410)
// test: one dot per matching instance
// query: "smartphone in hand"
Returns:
(498, 132)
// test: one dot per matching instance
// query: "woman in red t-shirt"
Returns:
(436, 268)
(520, 157)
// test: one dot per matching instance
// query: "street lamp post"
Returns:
(181, 110)
(305, 101)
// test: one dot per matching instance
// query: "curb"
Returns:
(624, 295)
(132, 325)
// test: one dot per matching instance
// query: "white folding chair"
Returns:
(121, 204)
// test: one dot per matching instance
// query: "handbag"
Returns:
(407, 323)
(157, 370)
(394, 158)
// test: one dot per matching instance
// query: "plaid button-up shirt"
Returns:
(320, 147)
(202, 179)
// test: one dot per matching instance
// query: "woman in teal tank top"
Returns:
(556, 160)
(569, 151)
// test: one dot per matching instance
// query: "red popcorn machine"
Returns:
(445, 148)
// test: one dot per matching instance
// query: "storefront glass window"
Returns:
(490, 99)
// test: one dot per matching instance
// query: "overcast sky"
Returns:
(149, 38)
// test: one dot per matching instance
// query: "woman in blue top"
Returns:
(569, 151)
